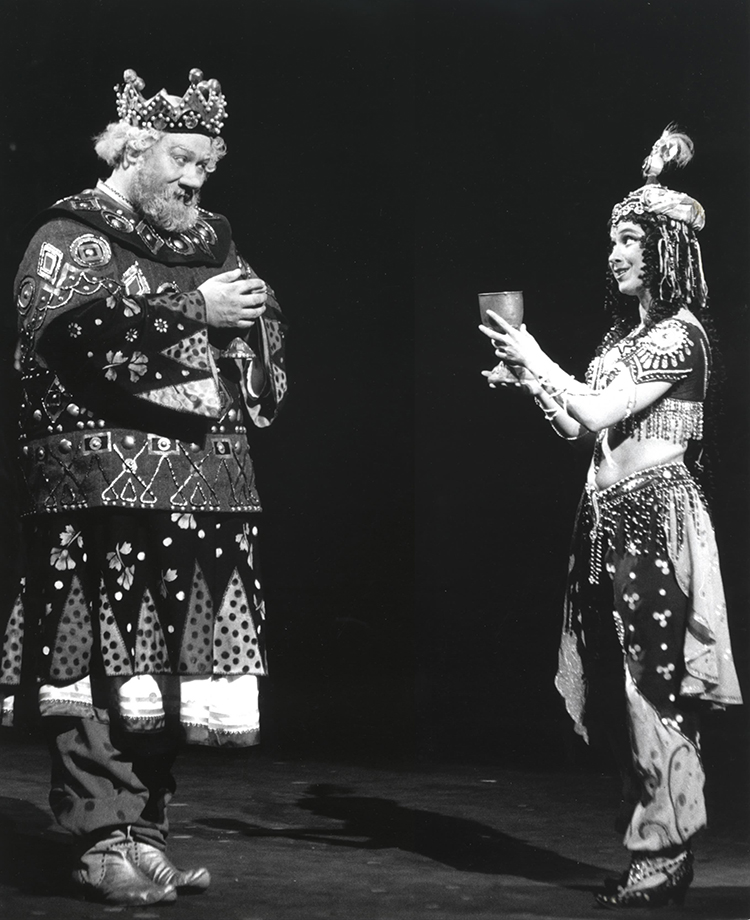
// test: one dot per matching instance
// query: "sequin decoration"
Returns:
(91, 251)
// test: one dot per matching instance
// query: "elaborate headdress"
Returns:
(678, 217)
(201, 110)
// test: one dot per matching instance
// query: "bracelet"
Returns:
(549, 414)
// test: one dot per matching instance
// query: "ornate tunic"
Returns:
(142, 599)
(129, 399)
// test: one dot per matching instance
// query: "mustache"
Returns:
(173, 210)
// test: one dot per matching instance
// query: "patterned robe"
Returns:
(142, 599)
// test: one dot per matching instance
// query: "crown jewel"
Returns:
(202, 109)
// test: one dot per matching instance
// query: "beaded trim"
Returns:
(673, 420)
(629, 508)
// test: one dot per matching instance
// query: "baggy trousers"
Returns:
(630, 617)
(104, 779)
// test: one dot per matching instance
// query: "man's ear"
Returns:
(131, 157)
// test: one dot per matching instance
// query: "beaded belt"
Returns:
(623, 504)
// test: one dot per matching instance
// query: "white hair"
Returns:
(119, 137)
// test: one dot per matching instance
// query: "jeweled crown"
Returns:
(202, 109)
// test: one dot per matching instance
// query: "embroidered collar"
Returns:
(207, 243)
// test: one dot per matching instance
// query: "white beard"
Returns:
(160, 204)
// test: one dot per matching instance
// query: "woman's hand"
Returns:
(513, 346)
(515, 377)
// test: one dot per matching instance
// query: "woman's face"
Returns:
(626, 258)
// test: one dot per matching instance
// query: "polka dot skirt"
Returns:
(113, 593)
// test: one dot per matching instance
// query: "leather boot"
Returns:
(154, 863)
(107, 872)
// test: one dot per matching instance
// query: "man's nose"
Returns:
(192, 176)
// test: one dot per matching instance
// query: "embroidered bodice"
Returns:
(675, 350)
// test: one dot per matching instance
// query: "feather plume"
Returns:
(674, 148)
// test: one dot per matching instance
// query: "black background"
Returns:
(387, 160)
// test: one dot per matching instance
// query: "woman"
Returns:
(645, 632)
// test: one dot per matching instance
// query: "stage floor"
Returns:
(299, 839)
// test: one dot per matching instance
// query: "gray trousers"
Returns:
(104, 779)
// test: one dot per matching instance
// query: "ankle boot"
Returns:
(154, 863)
(107, 872)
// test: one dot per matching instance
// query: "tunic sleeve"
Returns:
(76, 314)
(264, 361)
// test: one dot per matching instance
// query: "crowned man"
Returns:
(148, 347)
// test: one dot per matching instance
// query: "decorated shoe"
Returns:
(651, 881)
(154, 863)
(108, 872)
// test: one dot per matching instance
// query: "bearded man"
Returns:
(148, 347)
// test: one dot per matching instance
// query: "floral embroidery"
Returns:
(131, 335)
(169, 575)
(184, 521)
(138, 366)
(243, 539)
(665, 670)
(160, 324)
(60, 556)
(661, 618)
(114, 359)
(75, 330)
(127, 572)
(130, 307)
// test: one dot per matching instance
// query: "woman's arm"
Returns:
(591, 410)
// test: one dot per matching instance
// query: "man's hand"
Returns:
(233, 301)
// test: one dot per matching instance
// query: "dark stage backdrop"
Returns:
(387, 161)
(533, 119)
(316, 185)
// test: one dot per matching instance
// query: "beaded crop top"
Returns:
(674, 350)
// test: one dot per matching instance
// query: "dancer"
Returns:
(645, 633)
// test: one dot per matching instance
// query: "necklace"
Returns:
(115, 194)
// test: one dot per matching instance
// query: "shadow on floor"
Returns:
(376, 823)
(31, 859)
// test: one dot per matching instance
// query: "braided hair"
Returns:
(673, 278)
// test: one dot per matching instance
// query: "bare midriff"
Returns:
(633, 455)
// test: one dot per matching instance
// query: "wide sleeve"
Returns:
(77, 318)
(265, 381)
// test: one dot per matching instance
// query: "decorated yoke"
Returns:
(141, 567)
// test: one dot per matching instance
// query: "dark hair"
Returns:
(666, 300)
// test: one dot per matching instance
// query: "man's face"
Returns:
(168, 178)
